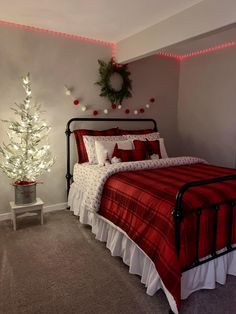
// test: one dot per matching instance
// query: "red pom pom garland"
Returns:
(115, 106)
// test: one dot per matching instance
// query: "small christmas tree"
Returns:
(27, 155)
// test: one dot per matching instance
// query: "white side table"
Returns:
(19, 210)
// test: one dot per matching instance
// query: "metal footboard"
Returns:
(178, 215)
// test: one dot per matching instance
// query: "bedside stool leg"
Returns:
(14, 220)
(42, 216)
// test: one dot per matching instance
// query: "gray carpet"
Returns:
(60, 268)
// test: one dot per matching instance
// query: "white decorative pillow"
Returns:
(89, 142)
(151, 137)
(142, 137)
(104, 149)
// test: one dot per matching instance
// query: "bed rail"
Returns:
(178, 215)
(69, 176)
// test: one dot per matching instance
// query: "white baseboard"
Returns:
(46, 209)
(54, 207)
(5, 216)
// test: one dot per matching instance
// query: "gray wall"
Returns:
(207, 107)
(56, 61)
(158, 77)
(195, 100)
(52, 62)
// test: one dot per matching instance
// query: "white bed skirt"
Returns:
(118, 242)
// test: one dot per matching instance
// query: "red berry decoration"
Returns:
(113, 106)
(141, 110)
(127, 111)
(76, 102)
(152, 99)
(95, 112)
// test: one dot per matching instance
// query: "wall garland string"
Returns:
(115, 95)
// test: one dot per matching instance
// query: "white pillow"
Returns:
(151, 137)
(104, 149)
(89, 142)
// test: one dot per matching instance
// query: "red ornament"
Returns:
(127, 111)
(152, 99)
(76, 102)
(141, 110)
(113, 106)
(95, 112)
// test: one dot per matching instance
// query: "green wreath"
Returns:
(106, 70)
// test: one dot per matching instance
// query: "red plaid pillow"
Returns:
(135, 132)
(82, 154)
(129, 154)
(150, 147)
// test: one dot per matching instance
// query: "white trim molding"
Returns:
(54, 207)
(5, 216)
(46, 209)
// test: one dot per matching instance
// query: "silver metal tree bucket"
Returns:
(25, 193)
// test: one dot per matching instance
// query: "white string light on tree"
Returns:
(28, 155)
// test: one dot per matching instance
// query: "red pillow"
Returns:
(82, 154)
(129, 154)
(150, 147)
(135, 132)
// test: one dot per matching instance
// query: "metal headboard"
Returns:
(68, 132)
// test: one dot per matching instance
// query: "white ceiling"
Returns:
(208, 40)
(104, 19)
(109, 20)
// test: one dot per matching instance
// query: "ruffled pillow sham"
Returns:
(89, 142)
(81, 149)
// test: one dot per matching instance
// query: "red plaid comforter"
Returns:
(141, 203)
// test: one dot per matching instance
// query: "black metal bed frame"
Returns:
(178, 216)
(178, 213)
(68, 132)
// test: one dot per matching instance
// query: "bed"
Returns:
(172, 220)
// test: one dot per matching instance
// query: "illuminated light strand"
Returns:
(113, 51)
(197, 52)
(208, 50)
(55, 33)
(169, 55)
(114, 45)
(24, 159)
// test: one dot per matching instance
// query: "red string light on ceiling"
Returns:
(54, 33)
(169, 55)
(198, 52)
(114, 45)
